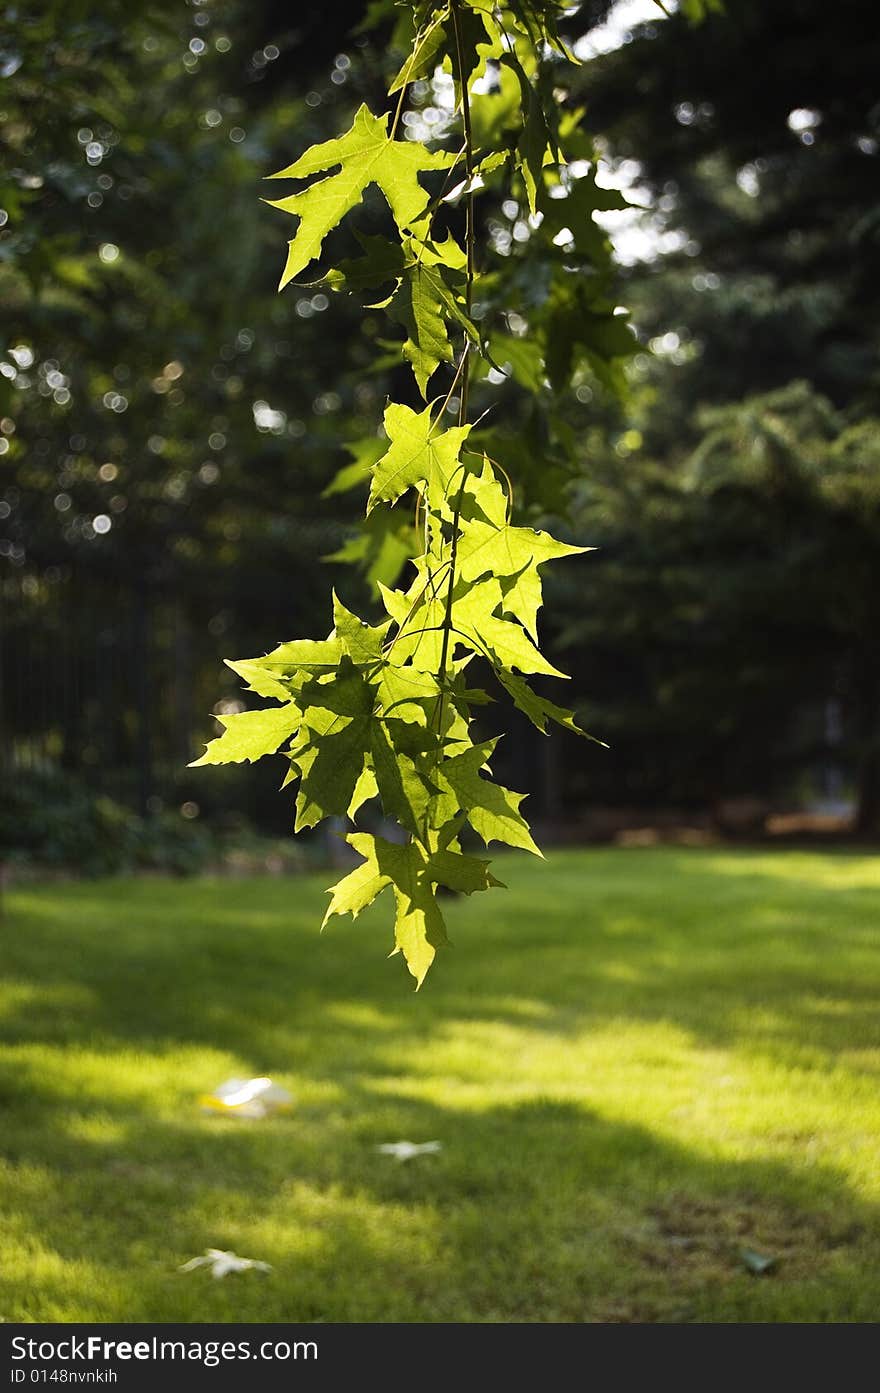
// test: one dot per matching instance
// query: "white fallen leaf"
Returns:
(222, 1263)
(251, 1098)
(405, 1150)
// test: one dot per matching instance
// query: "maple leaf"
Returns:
(289, 659)
(418, 306)
(418, 453)
(248, 735)
(383, 261)
(419, 929)
(382, 546)
(361, 642)
(259, 680)
(492, 810)
(574, 212)
(404, 786)
(424, 56)
(360, 887)
(485, 499)
(476, 621)
(419, 640)
(330, 760)
(345, 692)
(426, 301)
(537, 144)
(363, 716)
(365, 155)
(475, 624)
(365, 789)
(582, 325)
(538, 709)
(458, 872)
(515, 552)
(406, 693)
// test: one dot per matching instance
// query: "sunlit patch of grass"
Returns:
(638, 1062)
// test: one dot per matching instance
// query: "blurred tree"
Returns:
(734, 596)
(734, 592)
(757, 137)
(168, 423)
(166, 426)
(166, 430)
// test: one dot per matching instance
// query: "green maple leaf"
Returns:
(406, 693)
(311, 655)
(584, 197)
(492, 810)
(476, 44)
(419, 639)
(425, 301)
(385, 541)
(513, 552)
(538, 709)
(364, 454)
(459, 872)
(359, 889)
(365, 789)
(361, 642)
(404, 788)
(425, 53)
(485, 500)
(259, 680)
(249, 735)
(475, 625)
(580, 324)
(520, 358)
(280, 674)
(419, 929)
(382, 261)
(418, 453)
(330, 764)
(497, 115)
(418, 306)
(475, 621)
(365, 155)
(344, 692)
(537, 144)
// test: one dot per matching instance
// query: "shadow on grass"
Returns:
(726, 948)
(534, 1211)
(536, 1208)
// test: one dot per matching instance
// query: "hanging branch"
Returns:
(383, 711)
(464, 369)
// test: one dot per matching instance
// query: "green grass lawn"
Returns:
(638, 1063)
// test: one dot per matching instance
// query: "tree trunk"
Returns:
(143, 698)
(868, 730)
(183, 685)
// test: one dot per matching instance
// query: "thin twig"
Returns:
(464, 372)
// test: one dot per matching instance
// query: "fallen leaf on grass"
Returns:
(222, 1263)
(250, 1098)
(405, 1150)
(759, 1264)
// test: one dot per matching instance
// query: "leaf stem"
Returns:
(466, 357)
(464, 366)
(410, 62)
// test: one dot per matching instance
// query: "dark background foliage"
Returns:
(169, 423)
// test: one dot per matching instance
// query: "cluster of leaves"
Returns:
(385, 711)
